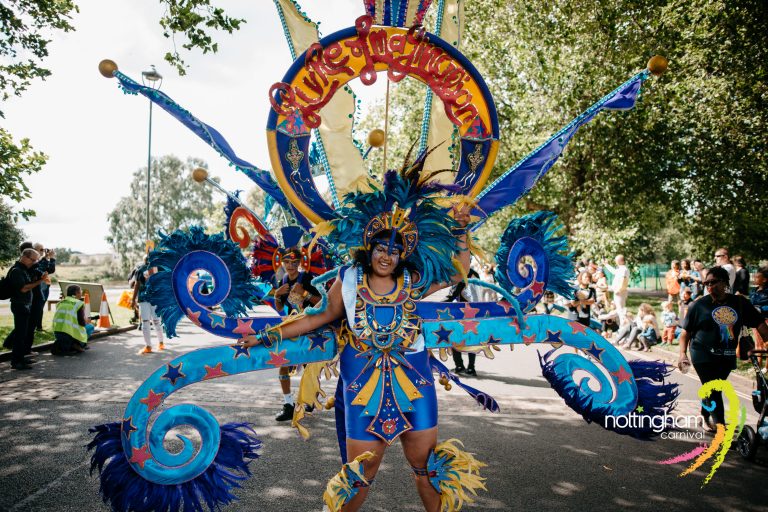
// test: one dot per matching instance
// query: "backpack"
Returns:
(5, 287)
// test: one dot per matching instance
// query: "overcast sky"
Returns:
(96, 136)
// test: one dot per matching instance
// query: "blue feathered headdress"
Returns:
(405, 192)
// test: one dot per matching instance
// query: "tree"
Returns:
(10, 235)
(177, 202)
(23, 48)
(690, 159)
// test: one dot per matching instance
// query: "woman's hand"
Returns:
(683, 363)
(461, 214)
(283, 290)
(249, 341)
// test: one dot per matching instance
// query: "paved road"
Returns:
(541, 455)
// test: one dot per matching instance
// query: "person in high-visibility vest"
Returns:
(71, 328)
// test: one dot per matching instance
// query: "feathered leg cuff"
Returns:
(346, 483)
(453, 472)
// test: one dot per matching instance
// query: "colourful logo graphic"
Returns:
(736, 416)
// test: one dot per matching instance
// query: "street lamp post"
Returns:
(150, 78)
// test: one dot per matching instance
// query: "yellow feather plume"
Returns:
(464, 476)
(310, 392)
(339, 487)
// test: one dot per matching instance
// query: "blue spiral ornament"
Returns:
(533, 238)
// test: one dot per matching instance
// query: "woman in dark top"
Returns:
(741, 283)
(585, 296)
(712, 329)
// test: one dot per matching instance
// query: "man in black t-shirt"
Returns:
(712, 327)
(295, 292)
(22, 283)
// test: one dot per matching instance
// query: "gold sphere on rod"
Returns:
(657, 65)
(376, 138)
(107, 68)
(200, 175)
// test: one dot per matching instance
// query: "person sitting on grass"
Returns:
(71, 328)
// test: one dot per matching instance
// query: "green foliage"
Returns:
(177, 202)
(17, 161)
(24, 44)
(193, 19)
(10, 235)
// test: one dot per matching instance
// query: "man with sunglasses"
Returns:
(712, 328)
(22, 283)
(723, 259)
(293, 292)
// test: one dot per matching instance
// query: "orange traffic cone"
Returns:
(104, 313)
(87, 304)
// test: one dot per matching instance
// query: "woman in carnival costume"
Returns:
(386, 379)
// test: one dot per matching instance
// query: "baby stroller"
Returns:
(749, 440)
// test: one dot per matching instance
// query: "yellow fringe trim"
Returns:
(310, 392)
(332, 496)
(465, 476)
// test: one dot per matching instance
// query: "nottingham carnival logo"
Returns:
(679, 427)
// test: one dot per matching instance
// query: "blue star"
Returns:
(174, 373)
(241, 350)
(318, 342)
(443, 334)
(595, 351)
(217, 320)
(128, 427)
(553, 337)
(491, 339)
(444, 314)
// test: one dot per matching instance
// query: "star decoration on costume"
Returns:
(469, 311)
(553, 337)
(214, 372)
(318, 342)
(217, 320)
(127, 427)
(194, 316)
(515, 325)
(240, 350)
(527, 340)
(152, 400)
(278, 358)
(491, 340)
(595, 351)
(577, 328)
(469, 326)
(174, 373)
(444, 314)
(140, 455)
(622, 375)
(244, 328)
(537, 288)
(640, 409)
(506, 305)
(443, 334)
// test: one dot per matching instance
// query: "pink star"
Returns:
(537, 288)
(506, 305)
(215, 372)
(469, 326)
(469, 311)
(194, 316)
(140, 456)
(278, 358)
(527, 340)
(244, 328)
(622, 375)
(514, 324)
(152, 400)
(576, 327)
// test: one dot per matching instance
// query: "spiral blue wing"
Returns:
(183, 253)
(534, 236)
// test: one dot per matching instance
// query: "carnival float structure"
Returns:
(310, 126)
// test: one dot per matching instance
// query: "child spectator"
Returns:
(673, 281)
(685, 303)
(669, 319)
(649, 335)
(601, 287)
